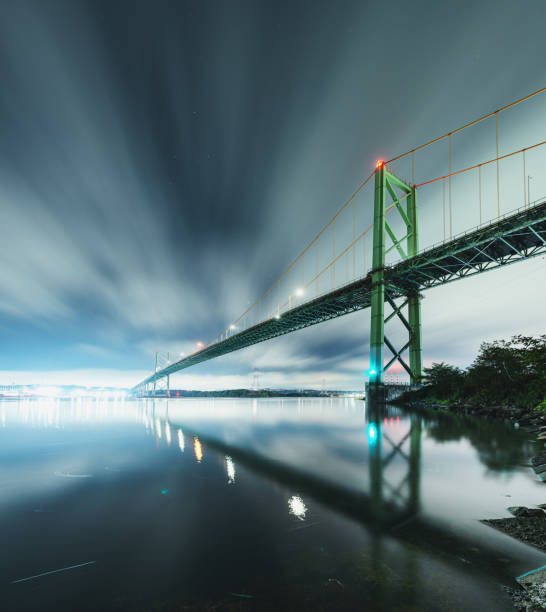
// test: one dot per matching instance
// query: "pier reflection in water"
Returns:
(269, 504)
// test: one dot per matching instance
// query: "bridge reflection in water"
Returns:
(390, 507)
(267, 486)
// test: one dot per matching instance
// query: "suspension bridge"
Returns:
(488, 201)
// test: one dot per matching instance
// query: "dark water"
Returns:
(256, 505)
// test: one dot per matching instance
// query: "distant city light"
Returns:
(297, 507)
(200, 344)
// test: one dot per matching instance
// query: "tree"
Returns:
(511, 371)
(444, 380)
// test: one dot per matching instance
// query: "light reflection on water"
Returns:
(197, 449)
(230, 469)
(378, 487)
(180, 436)
(297, 507)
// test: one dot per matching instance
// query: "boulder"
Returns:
(523, 511)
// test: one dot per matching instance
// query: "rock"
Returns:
(523, 511)
(535, 512)
(534, 583)
(517, 510)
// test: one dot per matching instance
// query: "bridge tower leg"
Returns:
(414, 299)
(389, 192)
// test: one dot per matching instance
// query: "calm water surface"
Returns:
(267, 504)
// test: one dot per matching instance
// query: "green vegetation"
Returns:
(261, 393)
(505, 372)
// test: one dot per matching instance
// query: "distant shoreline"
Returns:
(250, 393)
(108, 394)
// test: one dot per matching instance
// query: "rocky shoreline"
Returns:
(526, 418)
(528, 525)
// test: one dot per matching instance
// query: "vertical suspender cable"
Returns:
(333, 266)
(450, 211)
(316, 268)
(354, 238)
(413, 167)
(444, 207)
(480, 189)
(497, 149)
(524, 183)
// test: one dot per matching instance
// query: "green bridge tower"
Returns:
(387, 187)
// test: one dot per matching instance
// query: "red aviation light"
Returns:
(380, 163)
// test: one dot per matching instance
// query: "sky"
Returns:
(162, 163)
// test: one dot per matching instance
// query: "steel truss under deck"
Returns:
(512, 238)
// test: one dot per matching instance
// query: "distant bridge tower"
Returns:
(162, 360)
(387, 196)
(256, 380)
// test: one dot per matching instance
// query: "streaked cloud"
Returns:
(158, 172)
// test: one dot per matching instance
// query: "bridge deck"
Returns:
(514, 237)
